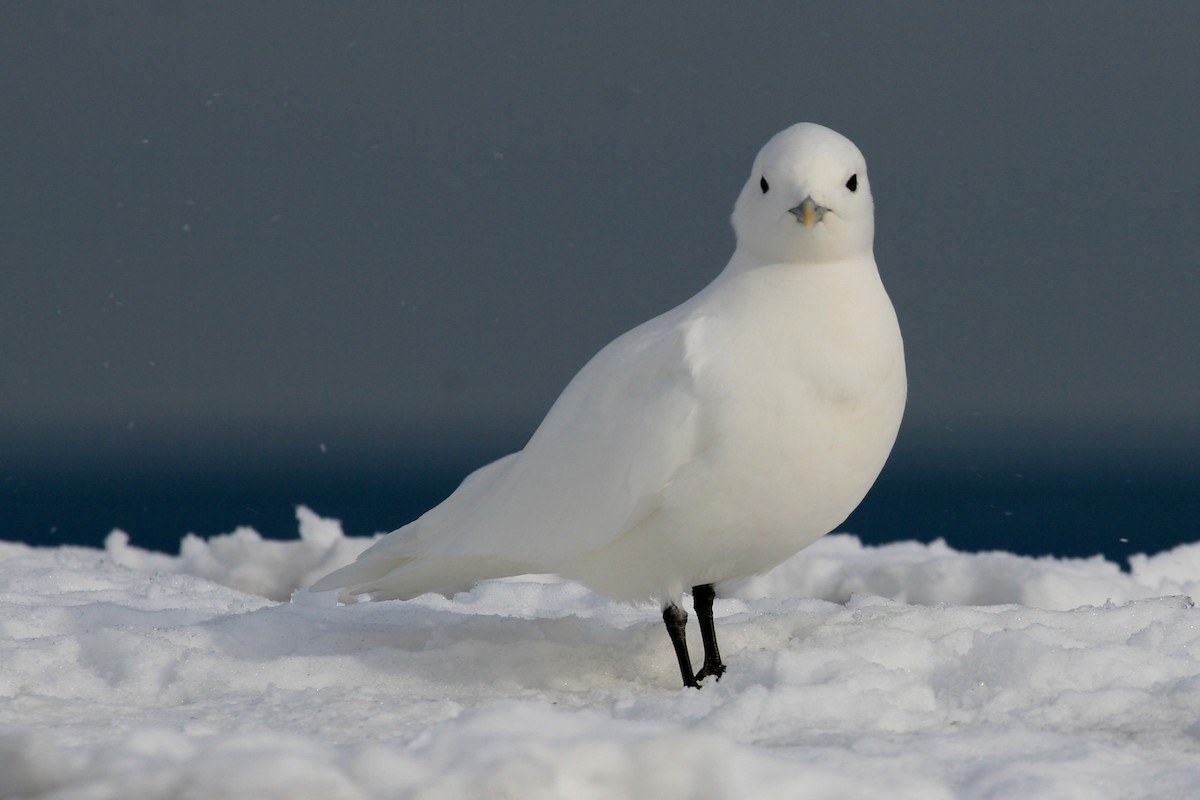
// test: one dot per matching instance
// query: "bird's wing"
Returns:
(594, 468)
(374, 570)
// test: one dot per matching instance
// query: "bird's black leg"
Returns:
(676, 620)
(702, 599)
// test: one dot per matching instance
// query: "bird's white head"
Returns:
(807, 199)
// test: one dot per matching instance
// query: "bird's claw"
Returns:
(715, 670)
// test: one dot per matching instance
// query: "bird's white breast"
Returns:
(800, 373)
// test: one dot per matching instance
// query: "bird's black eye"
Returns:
(852, 184)
(762, 184)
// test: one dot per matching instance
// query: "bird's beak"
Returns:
(809, 212)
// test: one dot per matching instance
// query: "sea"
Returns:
(974, 500)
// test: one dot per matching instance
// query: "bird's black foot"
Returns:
(676, 622)
(715, 670)
(702, 598)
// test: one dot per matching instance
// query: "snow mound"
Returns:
(837, 567)
(905, 671)
(243, 560)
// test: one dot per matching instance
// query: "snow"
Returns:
(903, 671)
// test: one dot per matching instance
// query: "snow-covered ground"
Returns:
(905, 671)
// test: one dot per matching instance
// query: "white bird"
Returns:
(710, 443)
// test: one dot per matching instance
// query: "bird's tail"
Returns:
(352, 579)
(406, 578)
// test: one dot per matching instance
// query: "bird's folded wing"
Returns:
(594, 468)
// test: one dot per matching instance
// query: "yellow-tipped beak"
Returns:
(808, 212)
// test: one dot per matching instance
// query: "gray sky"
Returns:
(253, 228)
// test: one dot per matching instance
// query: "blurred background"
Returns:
(254, 255)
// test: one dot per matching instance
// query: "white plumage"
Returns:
(709, 443)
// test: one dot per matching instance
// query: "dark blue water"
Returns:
(1112, 509)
